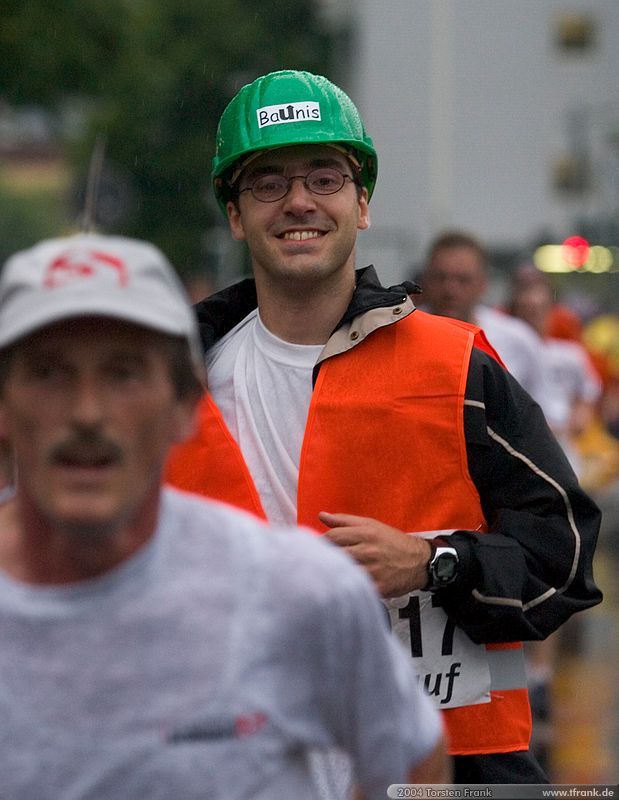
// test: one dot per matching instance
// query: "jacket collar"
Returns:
(220, 312)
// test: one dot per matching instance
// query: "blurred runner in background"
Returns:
(455, 283)
(156, 644)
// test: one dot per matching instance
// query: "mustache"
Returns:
(86, 448)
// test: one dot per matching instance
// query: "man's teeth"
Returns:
(299, 236)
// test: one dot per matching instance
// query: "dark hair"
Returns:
(182, 368)
(456, 238)
(6, 356)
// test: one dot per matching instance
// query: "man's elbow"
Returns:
(435, 768)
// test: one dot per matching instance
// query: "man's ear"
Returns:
(235, 221)
(185, 417)
(363, 222)
(3, 425)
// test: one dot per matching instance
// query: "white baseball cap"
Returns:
(94, 275)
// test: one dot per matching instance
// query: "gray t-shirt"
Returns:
(209, 666)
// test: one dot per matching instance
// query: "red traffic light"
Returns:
(575, 251)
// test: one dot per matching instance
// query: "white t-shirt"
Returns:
(518, 346)
(208, 665)
(263, 387)
(570, 378)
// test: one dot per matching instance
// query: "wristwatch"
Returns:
(443, 566)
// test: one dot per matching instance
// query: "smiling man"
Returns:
(157, 645)
(310, 245)
(397, 434)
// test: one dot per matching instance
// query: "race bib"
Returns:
(453, 670)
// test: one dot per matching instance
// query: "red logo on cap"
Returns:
(80, 264)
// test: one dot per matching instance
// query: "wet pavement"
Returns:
(584, 735)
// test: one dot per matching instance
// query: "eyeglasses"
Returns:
(324, 180)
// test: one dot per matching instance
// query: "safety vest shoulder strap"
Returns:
(210, 463)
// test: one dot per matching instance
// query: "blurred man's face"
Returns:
(533, 304)
(454, 282)
(90, 411)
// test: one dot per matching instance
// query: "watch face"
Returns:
(444, 567)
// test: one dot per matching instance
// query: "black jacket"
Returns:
(535, 571)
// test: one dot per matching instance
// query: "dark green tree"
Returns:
(150, 79)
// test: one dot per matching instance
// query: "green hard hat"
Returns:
(286, 108)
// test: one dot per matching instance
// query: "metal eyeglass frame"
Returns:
(287, 183)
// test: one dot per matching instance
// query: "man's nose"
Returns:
(299, 196)
(88, 402)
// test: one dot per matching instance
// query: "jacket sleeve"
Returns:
(533, 568)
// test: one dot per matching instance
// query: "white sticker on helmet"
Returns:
(288, 112)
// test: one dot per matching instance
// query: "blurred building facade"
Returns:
(499, 117)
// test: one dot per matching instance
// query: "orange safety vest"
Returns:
(383, 441)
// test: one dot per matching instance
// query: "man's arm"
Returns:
(373, 702)
(435, 768)
(534, 570)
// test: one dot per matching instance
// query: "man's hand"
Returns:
(397, 563)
